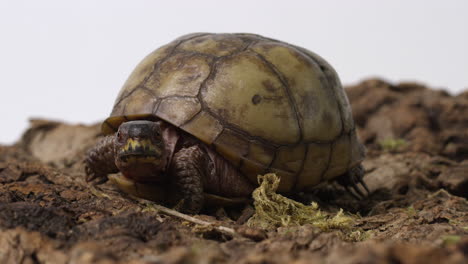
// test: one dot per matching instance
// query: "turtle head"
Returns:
(139, 150)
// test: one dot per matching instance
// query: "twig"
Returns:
(167, 211)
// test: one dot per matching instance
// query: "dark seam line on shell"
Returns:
(331, 151)
(157, 65)
(124, 108)
(268, 39)
(340, 107)
(330, 154)
(126, 95)
(212, 66)
(247, 153)
(178, 96)
(250, 45)
(156, 110)
(296, 179)
(247, 135)
(217, 136)
(323, 68)
(275, 154)
(288, 91)
(186, 57)
(161, 61)
(156, 106)
(194, 35)
(214, 57)
(350, 150)
(353, 130)
(247, 44)
(191, 53)
(203, 105)
(191, 118)
(349, 153)
(149, 91)
(125, 117)
(212, 72)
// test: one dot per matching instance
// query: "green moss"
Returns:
(411, 211)
(273, 210)
(450, 239)
(391, 144)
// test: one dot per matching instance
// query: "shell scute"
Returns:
(202, 121)
(316, 104)
(178, 109)
(244, 99)
(180, 75)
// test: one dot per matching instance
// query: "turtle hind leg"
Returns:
(351, 180)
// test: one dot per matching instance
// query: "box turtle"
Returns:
(201, 117)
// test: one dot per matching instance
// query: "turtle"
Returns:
(201, 117)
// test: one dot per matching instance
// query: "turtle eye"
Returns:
(157, 135)
(157, 130)
(119, 136)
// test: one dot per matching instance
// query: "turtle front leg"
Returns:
(188, 168)
(100, 160)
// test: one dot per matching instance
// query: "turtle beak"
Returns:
(141, 160)
(140, 151)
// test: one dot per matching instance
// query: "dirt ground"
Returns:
(417, 211)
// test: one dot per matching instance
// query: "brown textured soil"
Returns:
(417, 212)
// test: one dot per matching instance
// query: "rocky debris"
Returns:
(428, 120)
(417, 211)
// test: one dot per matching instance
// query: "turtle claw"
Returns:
(99, 180)
(89, 174)
(363, 183)
(94, 178)
(358, 191)
(351, 181)
(354, 195)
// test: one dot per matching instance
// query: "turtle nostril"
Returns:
(119, 136)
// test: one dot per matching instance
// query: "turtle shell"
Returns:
(264, 105)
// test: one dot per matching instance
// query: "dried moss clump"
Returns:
(273, 210)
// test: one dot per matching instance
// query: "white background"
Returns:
(67, 60)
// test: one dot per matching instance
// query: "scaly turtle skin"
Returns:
(219, 109)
